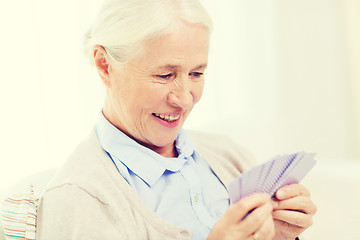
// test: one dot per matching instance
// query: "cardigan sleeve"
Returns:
(69, 212)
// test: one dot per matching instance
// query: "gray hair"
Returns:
(123, 25)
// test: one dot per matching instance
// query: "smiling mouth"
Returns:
(168, 118)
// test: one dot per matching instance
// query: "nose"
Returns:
(181, 96)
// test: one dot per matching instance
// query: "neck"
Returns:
(166, 151)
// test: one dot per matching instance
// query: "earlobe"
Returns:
(102, 64)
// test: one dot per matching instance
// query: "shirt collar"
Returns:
(184, 144)
(138, 158)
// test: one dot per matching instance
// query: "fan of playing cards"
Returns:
(272, 175)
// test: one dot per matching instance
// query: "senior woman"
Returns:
(140, 175)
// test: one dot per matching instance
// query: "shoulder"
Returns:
(221, 144)
(208, 138)
(87, 170)
(225, 156)
(82, 191)
(216, 141)
(82, 161)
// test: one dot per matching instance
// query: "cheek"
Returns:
(198, 90)
(149, 98)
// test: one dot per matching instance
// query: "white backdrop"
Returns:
(283, 77)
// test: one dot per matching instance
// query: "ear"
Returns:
(102, 64)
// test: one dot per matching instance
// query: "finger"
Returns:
(267, 230)
(281, 226)
(236, 212)
(293, 217)
(256, 218)
(292, 190)
(299, 203)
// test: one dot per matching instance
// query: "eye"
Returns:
(196, 74)
(165, 76)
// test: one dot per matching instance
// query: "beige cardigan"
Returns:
(89, 199)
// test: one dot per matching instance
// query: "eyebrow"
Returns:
(172, 67)
(202, 66)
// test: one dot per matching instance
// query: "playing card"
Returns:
(295, 174)
(272, 175)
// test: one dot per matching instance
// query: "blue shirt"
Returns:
(183, 190)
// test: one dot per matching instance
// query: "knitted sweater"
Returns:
(89, 199)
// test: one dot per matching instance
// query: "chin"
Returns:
(165, 139)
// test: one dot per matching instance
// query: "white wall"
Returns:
(282, 78)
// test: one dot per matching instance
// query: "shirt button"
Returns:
(184, 234)
(196, 198)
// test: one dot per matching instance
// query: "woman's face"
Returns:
(150, 96)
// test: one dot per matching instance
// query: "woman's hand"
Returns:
(258, 224)
(293, 211)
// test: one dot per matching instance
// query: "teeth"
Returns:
(169, 118)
